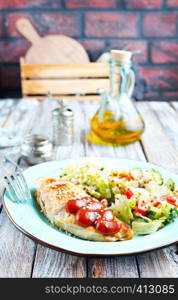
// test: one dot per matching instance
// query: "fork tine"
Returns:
(26, 188)
(21, 188)
(18, 188)
(10, 189)
(15, 183)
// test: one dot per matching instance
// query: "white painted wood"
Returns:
(5, 108)
(52, 264)
(113, 267)
(175, 105)
(156, 142)
(161, 263)
(167, 116)
(16, 251)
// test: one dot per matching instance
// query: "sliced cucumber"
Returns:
(156, 189)
(157, 176)
(175, 192)
(176, 187)
(170, 184)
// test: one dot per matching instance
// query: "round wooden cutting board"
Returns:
(51, 49)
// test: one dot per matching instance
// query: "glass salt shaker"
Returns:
(36, 149)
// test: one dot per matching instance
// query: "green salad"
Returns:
(140, 198)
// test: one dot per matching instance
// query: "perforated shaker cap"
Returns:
(121, 55)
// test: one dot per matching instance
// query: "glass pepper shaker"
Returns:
(63, 127)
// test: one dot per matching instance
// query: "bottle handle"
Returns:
(131, 83)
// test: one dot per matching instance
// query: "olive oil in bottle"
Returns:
(117, 122)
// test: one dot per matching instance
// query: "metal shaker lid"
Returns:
(36, 140)
(67, 113)
(56, 111)
(62, 110)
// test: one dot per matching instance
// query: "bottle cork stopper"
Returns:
(121, 55)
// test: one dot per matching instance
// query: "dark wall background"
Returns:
(147, 25)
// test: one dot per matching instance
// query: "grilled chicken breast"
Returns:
(52, 195)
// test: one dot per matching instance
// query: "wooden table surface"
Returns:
(22, 257)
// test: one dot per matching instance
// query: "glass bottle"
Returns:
(117, 122)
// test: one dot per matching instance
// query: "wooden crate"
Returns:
(73, 81)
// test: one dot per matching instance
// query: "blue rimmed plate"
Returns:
(28, 218)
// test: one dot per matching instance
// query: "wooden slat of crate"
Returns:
(95, 70)
(76, 81)
(69, 87)
(68, 97)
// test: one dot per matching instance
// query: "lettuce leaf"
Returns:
(122, 208)
(139, 226)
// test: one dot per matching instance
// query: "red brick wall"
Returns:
(148, 25)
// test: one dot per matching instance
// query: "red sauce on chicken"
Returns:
(92, 212)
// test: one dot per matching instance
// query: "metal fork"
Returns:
(16, 185)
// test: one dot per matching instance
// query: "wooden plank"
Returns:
(11, 113)
(132, 151)
(63, 86)
(6, 107)
(161, 263)
(168, 118)
(50, 263)
(64, 70)
(22, 116)
(113, 267)
(175, 105)
(16, 251)
(159, 150)
(157, 144)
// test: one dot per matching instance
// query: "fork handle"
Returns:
(13, 161)
(2, 158)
